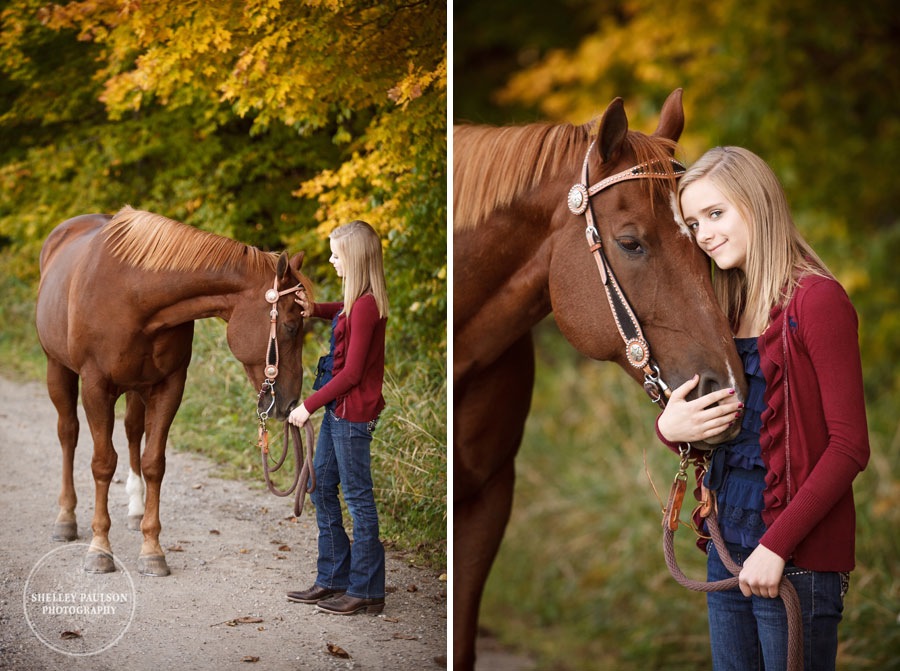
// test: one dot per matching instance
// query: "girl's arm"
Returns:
(827, 326)
(363, 320)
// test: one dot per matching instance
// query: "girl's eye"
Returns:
(693, 226)
(630, 245)
(715, 214)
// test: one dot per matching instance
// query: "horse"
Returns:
(116, 306)
(519, 253)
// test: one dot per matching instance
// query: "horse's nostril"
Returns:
(709, 382)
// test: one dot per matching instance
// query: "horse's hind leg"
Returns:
(62, 385)
(134, 431)
(490, 418)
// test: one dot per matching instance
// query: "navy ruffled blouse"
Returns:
(737, 472)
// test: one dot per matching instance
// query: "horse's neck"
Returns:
(502, 292)
(201, 299)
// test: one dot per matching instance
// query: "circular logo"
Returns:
(74, 612)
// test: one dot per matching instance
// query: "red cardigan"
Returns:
(812, 453)
(358, 361)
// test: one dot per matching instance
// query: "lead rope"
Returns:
(305, 477)
(708, 510)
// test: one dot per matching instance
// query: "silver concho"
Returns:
(271, 371)
(638, 352)
(271, 296)
(578, 199)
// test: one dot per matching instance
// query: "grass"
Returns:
(580, 581)
(217, 418)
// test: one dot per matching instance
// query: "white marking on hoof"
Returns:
(134, 487)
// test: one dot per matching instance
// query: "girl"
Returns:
(783, 485)
(350, 578)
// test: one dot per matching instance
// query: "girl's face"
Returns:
(335, 260)
(718, 226)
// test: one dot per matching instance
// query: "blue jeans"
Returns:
(748, 634)
(342, 458)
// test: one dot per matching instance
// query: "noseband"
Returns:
(637, 349)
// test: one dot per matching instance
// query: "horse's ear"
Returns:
(282, 266)
(613, 127)
(671, 118)
(297, 262)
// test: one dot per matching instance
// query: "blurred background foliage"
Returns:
(810, 86)
(267, 121)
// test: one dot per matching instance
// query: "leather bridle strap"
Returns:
(637, 349)
(272, 296)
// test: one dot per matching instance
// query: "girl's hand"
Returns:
(298, 416)
(686, 421)
(300, 298)
(761, 573)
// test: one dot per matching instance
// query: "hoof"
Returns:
(134, 522)
(153, 565)
(99, 562)
(65, 531)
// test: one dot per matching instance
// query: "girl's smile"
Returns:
(718, 226)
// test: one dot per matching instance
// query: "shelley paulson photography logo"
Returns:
(74, 612)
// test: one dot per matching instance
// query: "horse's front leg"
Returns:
(490, 418)
(162, 404)
(62, 385)
(134, 431)
(99, 406)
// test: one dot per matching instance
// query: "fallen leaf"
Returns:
(337, 651)
(70, 634)
(412, 588)
(215, 532)
(175, 548)
(244, 551)
(405, 637)
(198, 486)
(248, 620)
(284, 548)
(249, 658)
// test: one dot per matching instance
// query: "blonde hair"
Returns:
(777, 254)
(359, 248)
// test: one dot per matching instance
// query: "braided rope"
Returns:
(786, 591)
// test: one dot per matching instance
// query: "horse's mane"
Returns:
(492, 165)
(153, 242)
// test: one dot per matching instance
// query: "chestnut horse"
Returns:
(116, 307)
(519, 253)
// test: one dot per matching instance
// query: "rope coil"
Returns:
(786, 591)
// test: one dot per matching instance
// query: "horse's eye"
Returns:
(630, 245)
(291, 328)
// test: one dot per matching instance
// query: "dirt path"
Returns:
(233, 548)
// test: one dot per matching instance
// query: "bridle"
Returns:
(637, 349)
(305, 479)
